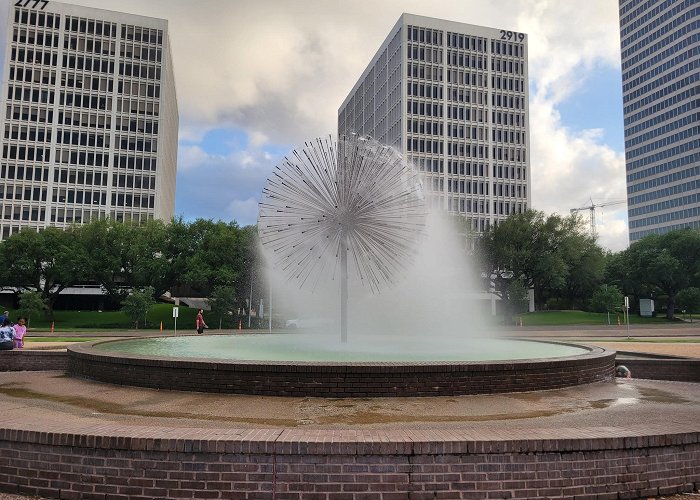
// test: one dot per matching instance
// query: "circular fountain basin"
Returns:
(308, 365)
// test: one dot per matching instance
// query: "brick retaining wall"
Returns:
(678, 369)
(295, 464)
(338, 379)
(30, 360)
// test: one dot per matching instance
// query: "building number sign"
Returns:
(35, 3)
(512, 36)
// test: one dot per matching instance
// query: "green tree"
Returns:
(223, 301)
(664, 264)
(47, 262)
(538, 249)
(607, 298)
(137, 304)
(31, 305)
(515, 299)
(689, 300)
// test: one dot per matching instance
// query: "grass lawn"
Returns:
(556, 318)
(58, 339)
(114, 320)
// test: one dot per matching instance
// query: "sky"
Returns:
(255, 79)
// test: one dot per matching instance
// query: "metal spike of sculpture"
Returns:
(330, 204)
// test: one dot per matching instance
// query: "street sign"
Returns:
(176, 312)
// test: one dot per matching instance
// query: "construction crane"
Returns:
(591, 208)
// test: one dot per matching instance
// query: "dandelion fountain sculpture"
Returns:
(330, 204)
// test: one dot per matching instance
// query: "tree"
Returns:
(137, 304)
(664, 264)
(47, 262)
(689, 300)
(607, 298)
(515, 299)
(222, 301)
(539, 249)
(31, 305)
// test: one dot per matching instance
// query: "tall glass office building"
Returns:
(89, 117)
(453, 98)
(660, 42)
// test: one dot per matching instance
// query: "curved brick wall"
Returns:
(341, 380)
(590, 463)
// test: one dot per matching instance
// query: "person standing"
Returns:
(4, 316)
(200, 324)
(20, 332)
(7, 335)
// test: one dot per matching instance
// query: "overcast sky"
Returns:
(257, 78)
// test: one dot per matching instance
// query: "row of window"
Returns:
(84, 119)
(80, 176)
(508, 118)
(693, 185)
(139, 52)
(23, 172)
(467, 205)
(22, 55)
(425, 164)
(77, 100)
(135, 70)
(661, 118)
(82, 138)
(424, 71)
(25, 213)
(27, 133)
(671, 27)
(132, 162)
(688, 213)
(507, 101)
(424, 146)
(662, 156)
(666, 205)
(512, 84)
(426, 54)
(460, 41)
(88, 63)
(26, 193)
(657, 70)
(508, 136)
(508, 66)
(661, 130)
(87, 158)
(25, 152)
(693, 224)
(424, 127)
(28, 94)
(133, 143)
(134, 181)
(509, 154)
(142, 34)
(34, 37)
(507, 48)
(466, 113)
(138, 89)
(421, 90)
(34, 18)
(465, 60)
(32, 75)
(509, 172)
(478, 187)
(461, 167)
(467, 150)
(141, 125)
(424, 35)
(459, 77)
(639, 8)
(90, 26)
(672, 89)
(639, 27)
(460, 94)
(90, 45)
(465, 132)
(660, 55)
(423, 108)
(136, 106)
(87, 82)
(665, 142)
(674, 176)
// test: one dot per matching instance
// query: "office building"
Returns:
(660, 43)
(453, 98)
(90, 119)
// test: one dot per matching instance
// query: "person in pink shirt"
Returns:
(20, 332)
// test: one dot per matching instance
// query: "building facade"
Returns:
(90, 119)
(453, 98)
(660, 43)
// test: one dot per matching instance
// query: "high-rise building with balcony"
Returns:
(89, 117)
(660, 43)
(453, 98)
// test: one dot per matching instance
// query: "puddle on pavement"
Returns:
(659, 396)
